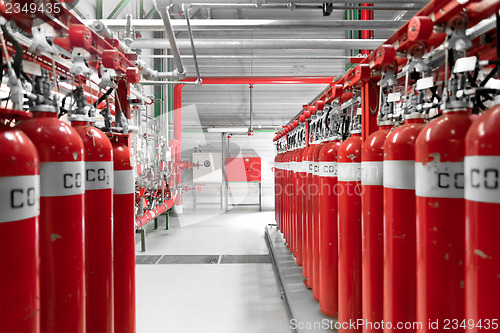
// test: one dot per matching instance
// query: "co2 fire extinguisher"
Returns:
(400, 222)
(19, 216)
(328, 241)
(123, 235)
(349, 233)
(372, 206)
(62, 187)
(482, 194)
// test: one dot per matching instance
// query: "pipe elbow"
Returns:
(181, 76)
(162, 6)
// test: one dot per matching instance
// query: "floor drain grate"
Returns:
(246, 259)
(147, 259)
(188, 259)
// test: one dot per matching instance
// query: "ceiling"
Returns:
(220, 105)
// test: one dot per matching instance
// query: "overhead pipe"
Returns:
(163, 9)
(180, 2)
(272, 43)
(193, 50)
(245, 24)
(294, 6)
(254, 56)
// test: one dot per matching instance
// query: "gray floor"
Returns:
(218, 298)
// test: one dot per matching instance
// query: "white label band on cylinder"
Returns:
(482, 178)
(309, 167)
(19, 198)
(372, 173)
(327, 169)
(349, 172)
(399, 174)
(98, 175)
(59, 179)
(439, 179)
(124, 182)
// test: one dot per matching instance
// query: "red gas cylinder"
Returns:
(293, 208)
(293, 200)
(280, 192)
(277, 166)
(305, 209)
(439, 186)
(62, 186)
(286, 198)
(19, 211)
(372, 207)
(349, 232)
(123, 235)
(400, 224)
(328, 240)
(315, 191)
(98, 157)
(299, 192)
(482, 194)
(310, 188)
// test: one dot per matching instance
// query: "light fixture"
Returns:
(227, 129)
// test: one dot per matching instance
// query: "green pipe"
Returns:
(98, 9)
(118, 9)
(152, 14)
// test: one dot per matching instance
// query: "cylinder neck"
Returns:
(44, 114)
(457, 111)
(415, 121)
(80, 123)
(385, 127)
(355, 134)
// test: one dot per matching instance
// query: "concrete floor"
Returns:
(213, 298)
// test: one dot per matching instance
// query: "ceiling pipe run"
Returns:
(250, 24)
(180, 2)
(296, 6)
(210, 44)
(256, 56)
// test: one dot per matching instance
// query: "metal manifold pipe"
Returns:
(342, 44)
(250, 24)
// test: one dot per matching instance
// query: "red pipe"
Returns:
(366, 15)
(153, 213)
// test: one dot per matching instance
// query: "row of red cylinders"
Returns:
(66, 229)
(400, 229)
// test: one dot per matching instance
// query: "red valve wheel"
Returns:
(80, 36)
(384, 54)
(346, 96)
(133, 75)
(111, 59)
(420, 28)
